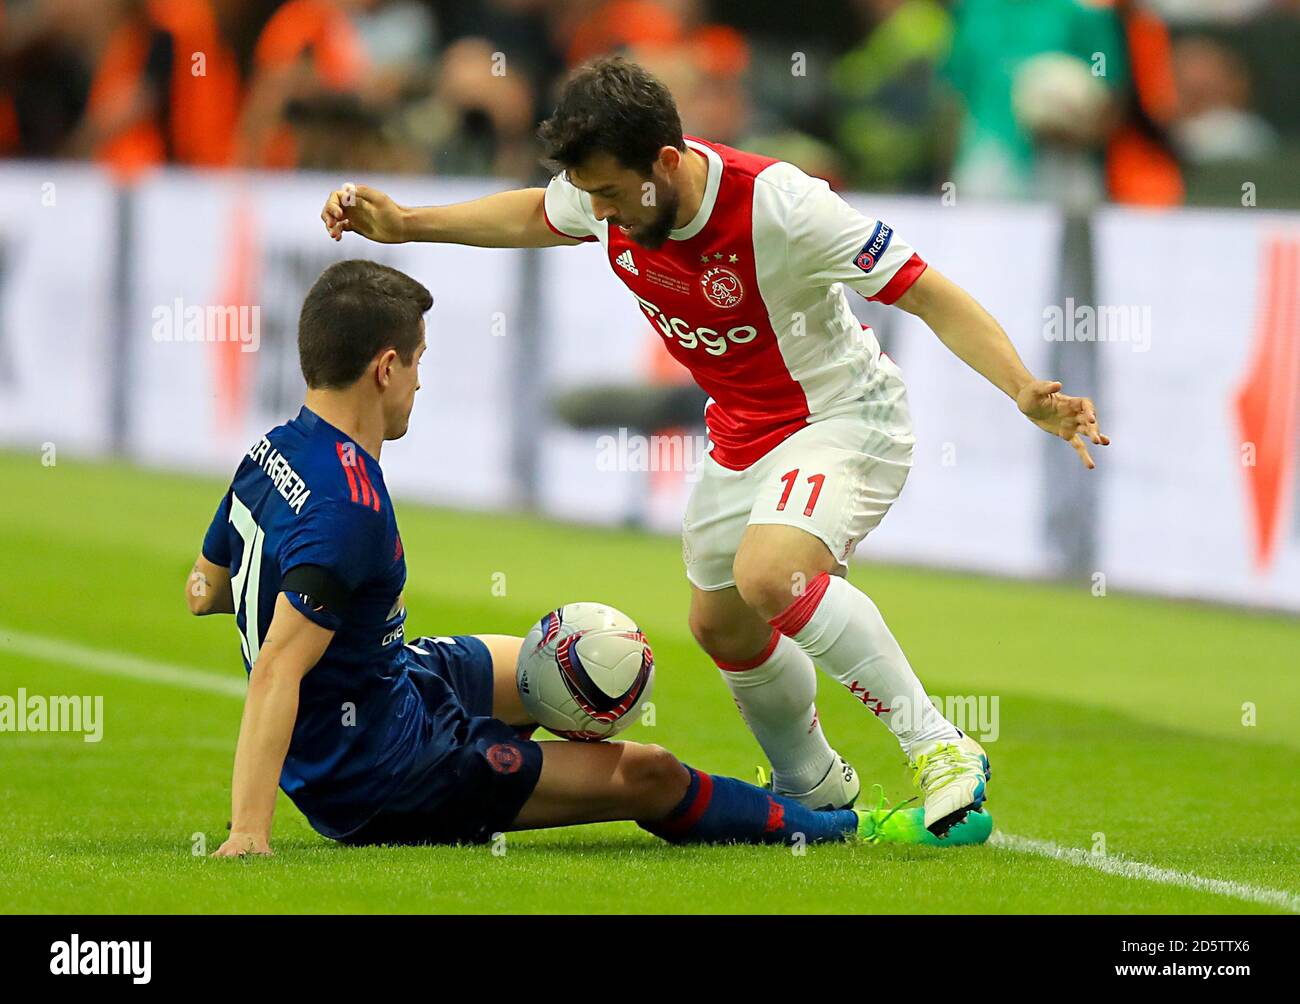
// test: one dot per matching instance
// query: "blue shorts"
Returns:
(491, 769)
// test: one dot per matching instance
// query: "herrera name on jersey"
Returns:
(750, 297)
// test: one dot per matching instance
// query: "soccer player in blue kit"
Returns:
(377, 740)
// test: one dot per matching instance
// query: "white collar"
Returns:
(711, 187)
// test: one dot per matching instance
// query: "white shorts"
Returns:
(836, 478)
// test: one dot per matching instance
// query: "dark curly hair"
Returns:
(613, 106)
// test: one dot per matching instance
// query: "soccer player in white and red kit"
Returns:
(744, 265)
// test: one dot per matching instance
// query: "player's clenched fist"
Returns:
(1071, 418)
(365, 211)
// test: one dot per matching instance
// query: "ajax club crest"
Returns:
(722, 286)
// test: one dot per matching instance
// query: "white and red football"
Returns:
(585, 671)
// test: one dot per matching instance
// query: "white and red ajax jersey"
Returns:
(749, 295)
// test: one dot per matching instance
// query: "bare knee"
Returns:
(776, 564)
(727, 640)
(768, 588)
(713, 635)
(653, 778)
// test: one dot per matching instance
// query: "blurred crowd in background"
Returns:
(1154, 102)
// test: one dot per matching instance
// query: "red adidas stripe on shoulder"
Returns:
(347, 469)
(369, 496)
(354, 466)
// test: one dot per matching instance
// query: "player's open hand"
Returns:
(240, 845)
(1072, 418)
(365, 211)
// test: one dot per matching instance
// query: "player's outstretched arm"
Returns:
(293, 645)
(972, 334)
(512, 219)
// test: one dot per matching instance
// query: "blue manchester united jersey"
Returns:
(307, 514)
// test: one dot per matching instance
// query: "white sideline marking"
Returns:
(101, 661)
(1140, 870)
(97, 660)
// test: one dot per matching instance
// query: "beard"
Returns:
(653, 234)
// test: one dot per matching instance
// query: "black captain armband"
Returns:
(318, 586)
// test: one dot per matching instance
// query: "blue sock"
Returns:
(724, 810)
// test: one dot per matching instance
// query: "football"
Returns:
(584, 671)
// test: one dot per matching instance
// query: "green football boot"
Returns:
(901, 825)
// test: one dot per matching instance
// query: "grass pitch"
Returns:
(1120, 733)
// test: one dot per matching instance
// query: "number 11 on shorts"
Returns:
(789, 478)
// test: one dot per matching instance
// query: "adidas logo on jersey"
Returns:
(625, 260)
